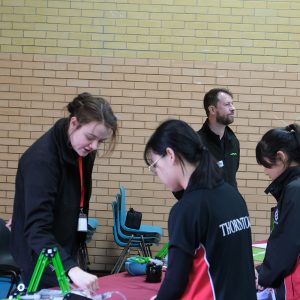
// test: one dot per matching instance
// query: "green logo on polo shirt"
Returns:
(233, 154)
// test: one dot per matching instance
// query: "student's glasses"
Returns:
(152, 167)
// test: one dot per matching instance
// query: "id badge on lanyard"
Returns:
(82, 222)
(82, 219)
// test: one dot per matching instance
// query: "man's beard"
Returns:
(224, 120)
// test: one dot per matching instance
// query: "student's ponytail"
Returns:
(207, 171)
(294, 129)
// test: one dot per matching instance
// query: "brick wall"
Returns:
(152, 61)
(258, 31)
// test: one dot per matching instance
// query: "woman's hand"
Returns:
(84, 280)
(8, 224)
(258, 287)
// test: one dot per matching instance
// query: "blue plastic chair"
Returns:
(124, 239)
(142, 238)
(136, 236)
(83, 255)
(144, 229)
(128, 242)
(92, 226)
(137, 233)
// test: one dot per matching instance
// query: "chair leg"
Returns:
(149, 250)
(145, 248)
(114, 269)
(118, 265)
(83, 257)
(123, 261)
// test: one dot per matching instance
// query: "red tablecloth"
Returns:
(132, 287)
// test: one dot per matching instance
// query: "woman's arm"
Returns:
(284, 243)
(41, 180)
(177, 275)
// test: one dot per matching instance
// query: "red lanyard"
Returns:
(81, 182)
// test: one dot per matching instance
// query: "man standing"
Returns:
(217, 136)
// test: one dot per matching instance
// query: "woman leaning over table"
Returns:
(53, 189)
(210, 249)
(279, 153)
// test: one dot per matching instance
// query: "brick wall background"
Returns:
(152, 60)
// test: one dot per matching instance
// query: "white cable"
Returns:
(107, 295)
(56, 294)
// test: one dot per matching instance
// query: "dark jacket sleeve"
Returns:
(184, 238)
(283, 245)
(41, 181)
(176, 279)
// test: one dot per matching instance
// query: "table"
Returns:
(121, 286)
(135, 287)
(132, 287)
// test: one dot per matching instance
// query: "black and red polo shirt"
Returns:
(210, 247)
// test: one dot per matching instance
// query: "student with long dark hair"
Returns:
(279, 152)
(210, 254)
(53, 189)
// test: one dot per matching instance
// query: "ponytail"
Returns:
(295, 130)
(207, 171)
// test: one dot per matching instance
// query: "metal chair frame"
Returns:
(126, 244)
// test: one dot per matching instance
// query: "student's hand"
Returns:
(83, 280)
(8, 224)
(258, 287)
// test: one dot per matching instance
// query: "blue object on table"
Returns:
(135, 268)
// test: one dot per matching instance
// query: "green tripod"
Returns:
(49, 256)
(46, 257)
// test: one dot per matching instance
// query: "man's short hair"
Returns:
(211, 97)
